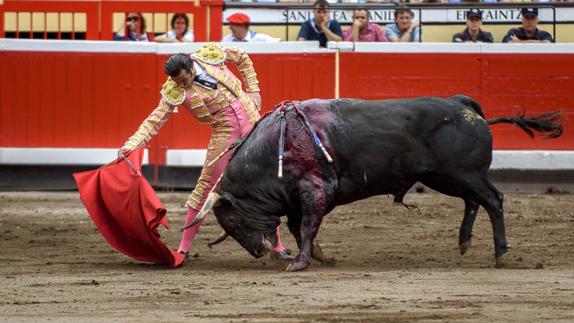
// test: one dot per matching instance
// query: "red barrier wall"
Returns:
(504, 84)
(97, 100)
(74, 100)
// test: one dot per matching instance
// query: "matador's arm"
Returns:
(245, 66)
(150, 126)
(171, 96)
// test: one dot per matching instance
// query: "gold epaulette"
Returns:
(172, 93)
(211, 53)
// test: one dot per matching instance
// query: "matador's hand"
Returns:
(256, 98)
(123, 152)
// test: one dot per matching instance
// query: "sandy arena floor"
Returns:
(393, 265)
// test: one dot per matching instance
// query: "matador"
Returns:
(202, 84)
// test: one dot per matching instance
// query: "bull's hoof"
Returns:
(283, 256)
(501, 260)
(317, 252)
(318, 255)
(298, 265)
(463, 247)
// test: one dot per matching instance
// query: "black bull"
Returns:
(378, 147)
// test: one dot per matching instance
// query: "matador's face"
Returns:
(184, 79)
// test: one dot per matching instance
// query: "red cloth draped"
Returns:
(127, 211)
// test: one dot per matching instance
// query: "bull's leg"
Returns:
(491, 200)
(318, 255)
(400, 195)
(294, 224)
(465, 234)
(309, 229)
(479, 189)
(313, 202)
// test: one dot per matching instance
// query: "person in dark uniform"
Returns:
(529, 32)
(473, 33)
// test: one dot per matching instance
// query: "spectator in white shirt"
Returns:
(240, 32)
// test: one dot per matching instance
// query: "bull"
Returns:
(362, 148)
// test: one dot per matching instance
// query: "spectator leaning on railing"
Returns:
(133, 28)
(529, 32)
(180, 31)
(362, 30)
(321, 27)
(240, 31)
(404, 29)
(473, 33)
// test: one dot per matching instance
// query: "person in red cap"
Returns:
(240, 32)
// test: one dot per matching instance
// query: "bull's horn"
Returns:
(222, 236)
(212, 198)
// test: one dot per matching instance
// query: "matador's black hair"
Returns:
(176, 63)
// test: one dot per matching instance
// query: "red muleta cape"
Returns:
(127, 211)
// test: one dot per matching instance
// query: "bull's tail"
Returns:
(545, 124)
(468, 102)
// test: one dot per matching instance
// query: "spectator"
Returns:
(404, 29)
(321, 27)
(179, 32)
(473, 33)
(240, 32)
(363, 30)
(528, 33)
(133, 29)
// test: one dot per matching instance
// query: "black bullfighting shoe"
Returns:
(283, 255)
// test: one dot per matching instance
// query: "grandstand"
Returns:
(98, 19)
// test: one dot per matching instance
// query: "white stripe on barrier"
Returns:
(185, 157)
(72, 46)
(461, 48)
(258, 48)
(89, 46)
(283, 47)
(60, 156)
(529, 48)
(533, 160)
(502, 159)
(418, 48)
